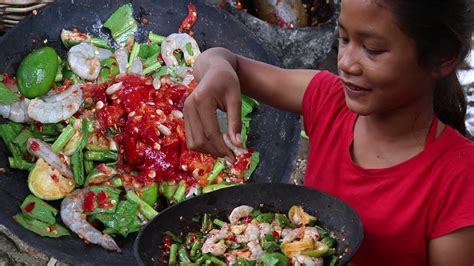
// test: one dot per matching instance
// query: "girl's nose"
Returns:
(348, 61)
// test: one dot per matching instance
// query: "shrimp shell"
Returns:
(17, 111)
(44, 151)
(84, 60)
(73, 218)
(239, 212)
(178, 41)
(55, 108)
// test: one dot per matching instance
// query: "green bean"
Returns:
(101, 156)
(183, 255)
(61, 141)
(77, 163)
(143, 208)
(180, 192)
(151, 68)
(133, 55)
(218, 261)
(100, 43)
(155, 38)
(88, 166)
(206, 222)
(197, 245)
(216, 170)
(218, 222)
(20, 164)
(173, 254)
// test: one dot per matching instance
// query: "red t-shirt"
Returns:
(401, 207)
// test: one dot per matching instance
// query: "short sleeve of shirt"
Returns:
(322, 88)
(455, 204)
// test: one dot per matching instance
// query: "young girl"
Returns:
(386, 135)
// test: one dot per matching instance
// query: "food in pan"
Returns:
(251, 236)
(103, 130)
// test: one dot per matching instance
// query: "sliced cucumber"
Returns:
(47, 183)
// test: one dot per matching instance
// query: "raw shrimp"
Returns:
(311, 232)
(251, 234)
(55, 108)
(121, 56)
(307, 261)
(185, 73)
(74, 219)
(239, 212)
(17, 111)
(255, 249)
(179, 41)
(292, 234)
(41, 149)
(211, 245)
(84, 60)
(236, 150)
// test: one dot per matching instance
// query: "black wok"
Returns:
(332, 213)
(274, 133)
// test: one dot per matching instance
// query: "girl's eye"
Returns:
(343, 40)
(374, 52)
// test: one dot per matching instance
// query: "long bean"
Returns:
(155, 38)
(180, 191)
(173, 255)
(77, 162)
(101, 156)
(61, 141)
(183, 256)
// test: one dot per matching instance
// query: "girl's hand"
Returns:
(222, 76)
(218, 88)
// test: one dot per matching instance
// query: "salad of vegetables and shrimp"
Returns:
(103, 131)
(253, 237)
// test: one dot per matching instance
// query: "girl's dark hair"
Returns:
(441, 29)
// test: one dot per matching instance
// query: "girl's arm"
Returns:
(222, 77)
(456, 248)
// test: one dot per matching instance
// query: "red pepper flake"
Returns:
(55, 178)
(88, 204)
(276, 234)
(247, 219)
(231, 238)
(7, 79)
(145, 21)
(190, 19)
(34, 146)
(28, 208)
(102, 199)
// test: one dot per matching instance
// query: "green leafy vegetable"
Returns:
(124, 221)
(121, 24)
(6, 96)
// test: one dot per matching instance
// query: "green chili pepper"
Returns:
(149, 194)
(173, 255)
(36, 208)
(41, 228)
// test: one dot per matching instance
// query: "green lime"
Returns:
(37, 72)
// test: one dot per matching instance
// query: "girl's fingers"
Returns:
(210, 125)
(233, 108)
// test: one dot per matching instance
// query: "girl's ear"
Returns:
(445, 66)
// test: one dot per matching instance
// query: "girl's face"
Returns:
(378, 62)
